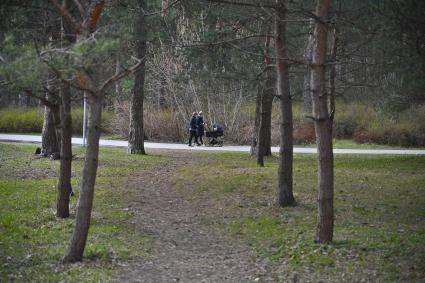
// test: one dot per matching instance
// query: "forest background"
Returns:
(361, 63)
(207, 55)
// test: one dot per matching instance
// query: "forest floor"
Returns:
(184, 216)
(184, 248)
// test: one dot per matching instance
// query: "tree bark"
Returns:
(286, 196)
(323, 126)
(136, 136)
(49, 142)
(263, 111)
(64, 184)
(255, 132)
(264, 132)
(267, 107)
(307, 107)
(94, 101)
(85, 200)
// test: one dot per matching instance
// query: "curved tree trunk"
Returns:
(85, 200)
(136, 136)
(286, 139)
(64, 185)
(323, 126)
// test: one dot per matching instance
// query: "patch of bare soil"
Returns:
(27, 170)
(184, 249)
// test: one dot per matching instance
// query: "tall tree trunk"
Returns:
(95, 98)
(49, 142)
(307, 107)
(255, 132)
(64, 184)
(323, 126)
(263, 111)
(286, 196)
(264, 132)
(267, 107)
(85, 200)
(136, 136)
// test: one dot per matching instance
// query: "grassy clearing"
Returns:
(349, 144)
(33, 240)
(379, 215)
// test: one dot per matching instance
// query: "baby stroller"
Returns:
(215, 135)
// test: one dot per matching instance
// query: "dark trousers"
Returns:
(193, 135)
(200, 137)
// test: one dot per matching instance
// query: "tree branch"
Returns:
(80, 8)
(122, 74)
(93, 16)
(203, 44)
(243, 4)
(67, 16)
(44, 101)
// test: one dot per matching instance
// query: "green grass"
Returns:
(349, 144)
(379, 214)
(33, 241)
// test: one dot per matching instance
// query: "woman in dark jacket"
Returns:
(193, 129)
(200, 127)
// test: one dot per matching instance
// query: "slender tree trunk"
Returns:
(64, 185)
(307, 107)
(264, 132)
(49, 142)
(255, 132)
(323, 126)
(85, 200)
(267, 108)
(263, 110)
(95, 98)
(136, 136)
(286, 196)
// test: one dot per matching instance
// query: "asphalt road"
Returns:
(173, 146)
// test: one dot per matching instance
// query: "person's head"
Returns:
(200, 113)
(194, 114)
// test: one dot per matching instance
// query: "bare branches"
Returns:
(236, 3)
(80, 8)
(122, 74)
(213, 43)
(67, 16)
(164, 9)
(93, 16)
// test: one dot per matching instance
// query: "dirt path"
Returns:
(184, 249)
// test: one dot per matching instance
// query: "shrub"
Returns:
(407, 130)
(350, 117)
(21, 121)
(31, 120)
(77, 115)
(164, 125)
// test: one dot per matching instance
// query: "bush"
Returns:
(31, 120)
(350, 117)
(407, 130)
(21, 121)
(356, 121)
(77, 121)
